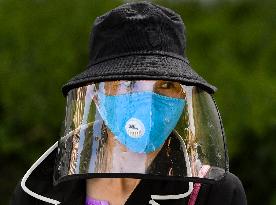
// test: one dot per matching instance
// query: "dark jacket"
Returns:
(228, 191)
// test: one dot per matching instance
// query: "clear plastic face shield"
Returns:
(141, 129)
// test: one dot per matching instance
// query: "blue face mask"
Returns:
(141, 121)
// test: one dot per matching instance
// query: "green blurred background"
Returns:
(232, 44)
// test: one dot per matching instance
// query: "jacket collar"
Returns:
(38, 182)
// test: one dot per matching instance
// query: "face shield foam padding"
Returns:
(141, 129)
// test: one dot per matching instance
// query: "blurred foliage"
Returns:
(232, 44)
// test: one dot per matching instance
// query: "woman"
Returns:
(141, 126)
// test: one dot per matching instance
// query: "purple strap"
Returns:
(203, 171)
(91, 201)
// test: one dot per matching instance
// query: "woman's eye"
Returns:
(166, 85)
(126, 84)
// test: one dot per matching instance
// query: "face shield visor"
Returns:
(141, 129)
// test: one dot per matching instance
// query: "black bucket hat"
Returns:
(138, 41)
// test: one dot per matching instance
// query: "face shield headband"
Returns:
(141, 129)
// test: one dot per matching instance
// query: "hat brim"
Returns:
(140, 67)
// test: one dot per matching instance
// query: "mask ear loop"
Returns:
(189, 174)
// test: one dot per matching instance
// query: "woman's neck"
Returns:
(114, 190)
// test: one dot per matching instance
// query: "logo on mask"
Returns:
(135, 128)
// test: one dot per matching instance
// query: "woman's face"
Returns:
(161, 87)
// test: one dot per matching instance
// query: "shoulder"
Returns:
(20, 197)
(40, 183)
(229, 191)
